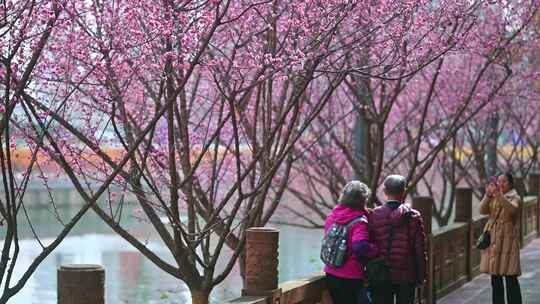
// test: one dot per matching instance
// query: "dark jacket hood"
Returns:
(397, 215)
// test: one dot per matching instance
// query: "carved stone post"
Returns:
(534, 189)
(261, 277)
(81, 284)
(464, 215)
(425, 206)
(464, 204)
(534, 183)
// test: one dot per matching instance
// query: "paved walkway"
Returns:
(478, 291)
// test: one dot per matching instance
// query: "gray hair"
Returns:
(355, 194)
(395, 184)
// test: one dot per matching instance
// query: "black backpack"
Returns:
(334, 242)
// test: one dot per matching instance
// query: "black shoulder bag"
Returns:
(484, 240)
(377, 270)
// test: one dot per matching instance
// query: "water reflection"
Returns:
(131, 278)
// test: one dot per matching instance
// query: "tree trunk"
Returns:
(360, 139)
(361, 124)
(199, 296)
(491, 157)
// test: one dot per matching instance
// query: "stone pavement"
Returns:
(478, 291)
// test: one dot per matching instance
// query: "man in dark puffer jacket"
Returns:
(408, 258)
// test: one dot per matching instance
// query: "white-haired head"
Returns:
(355, 194)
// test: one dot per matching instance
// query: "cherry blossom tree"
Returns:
(502, 137)
(514, 141)
(199, 113)
(404, 125)
(26, 27)
(204, 103)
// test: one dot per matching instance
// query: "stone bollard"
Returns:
(425, 206)
(464, 198)
(81, 284)
(261, 278)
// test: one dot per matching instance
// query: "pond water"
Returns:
(130, 277)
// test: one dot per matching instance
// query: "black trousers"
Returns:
(346, 291)
(401, 293)
(513, 291)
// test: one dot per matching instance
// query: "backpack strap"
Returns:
(390, 239)
(494, 221)
(361, 218)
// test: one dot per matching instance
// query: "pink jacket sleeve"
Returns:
(361, 245)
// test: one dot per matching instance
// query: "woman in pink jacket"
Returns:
(346, 283)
